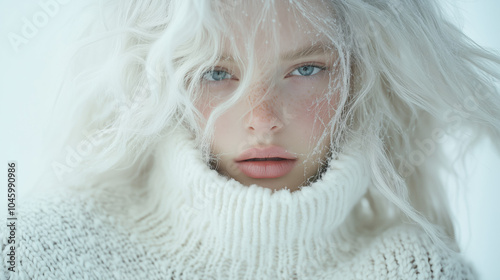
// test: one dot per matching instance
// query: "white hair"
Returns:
(408, 79)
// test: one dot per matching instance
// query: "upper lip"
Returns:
(268, 152)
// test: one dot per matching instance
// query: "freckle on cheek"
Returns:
(321, 112)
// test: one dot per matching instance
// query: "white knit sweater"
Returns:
(200, 225)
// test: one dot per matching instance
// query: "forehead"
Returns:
(276, 27)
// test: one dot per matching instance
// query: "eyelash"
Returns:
(210, 73)
(309, 64)
(207, 76)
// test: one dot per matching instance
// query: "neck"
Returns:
(208, 215)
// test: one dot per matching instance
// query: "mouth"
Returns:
(266, 168)
(264, 159)
(269, 162)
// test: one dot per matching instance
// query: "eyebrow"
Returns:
(314, 49)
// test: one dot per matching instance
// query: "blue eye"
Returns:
(306, 70)
(216, 75)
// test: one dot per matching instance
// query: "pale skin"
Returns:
(296, 81)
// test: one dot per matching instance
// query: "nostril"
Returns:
(263, 124)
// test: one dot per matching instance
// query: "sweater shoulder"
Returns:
(407, 252)
(66, 236)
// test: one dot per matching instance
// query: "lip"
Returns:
(268, 168)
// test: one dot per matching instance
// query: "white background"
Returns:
(25, 111)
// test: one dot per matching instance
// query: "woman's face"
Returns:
(268, 139)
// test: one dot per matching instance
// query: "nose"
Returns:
(264, 117)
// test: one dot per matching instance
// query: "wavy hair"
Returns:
(410, 83)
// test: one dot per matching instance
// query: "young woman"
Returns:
(260, 140)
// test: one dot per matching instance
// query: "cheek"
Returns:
(224, 127)
(312, 111)
(315, 115)
(201, 105)
(206, 105)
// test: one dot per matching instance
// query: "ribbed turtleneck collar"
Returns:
(200, 218)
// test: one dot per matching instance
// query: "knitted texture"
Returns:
(197, 224)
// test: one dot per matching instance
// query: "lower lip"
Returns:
(266, 169)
